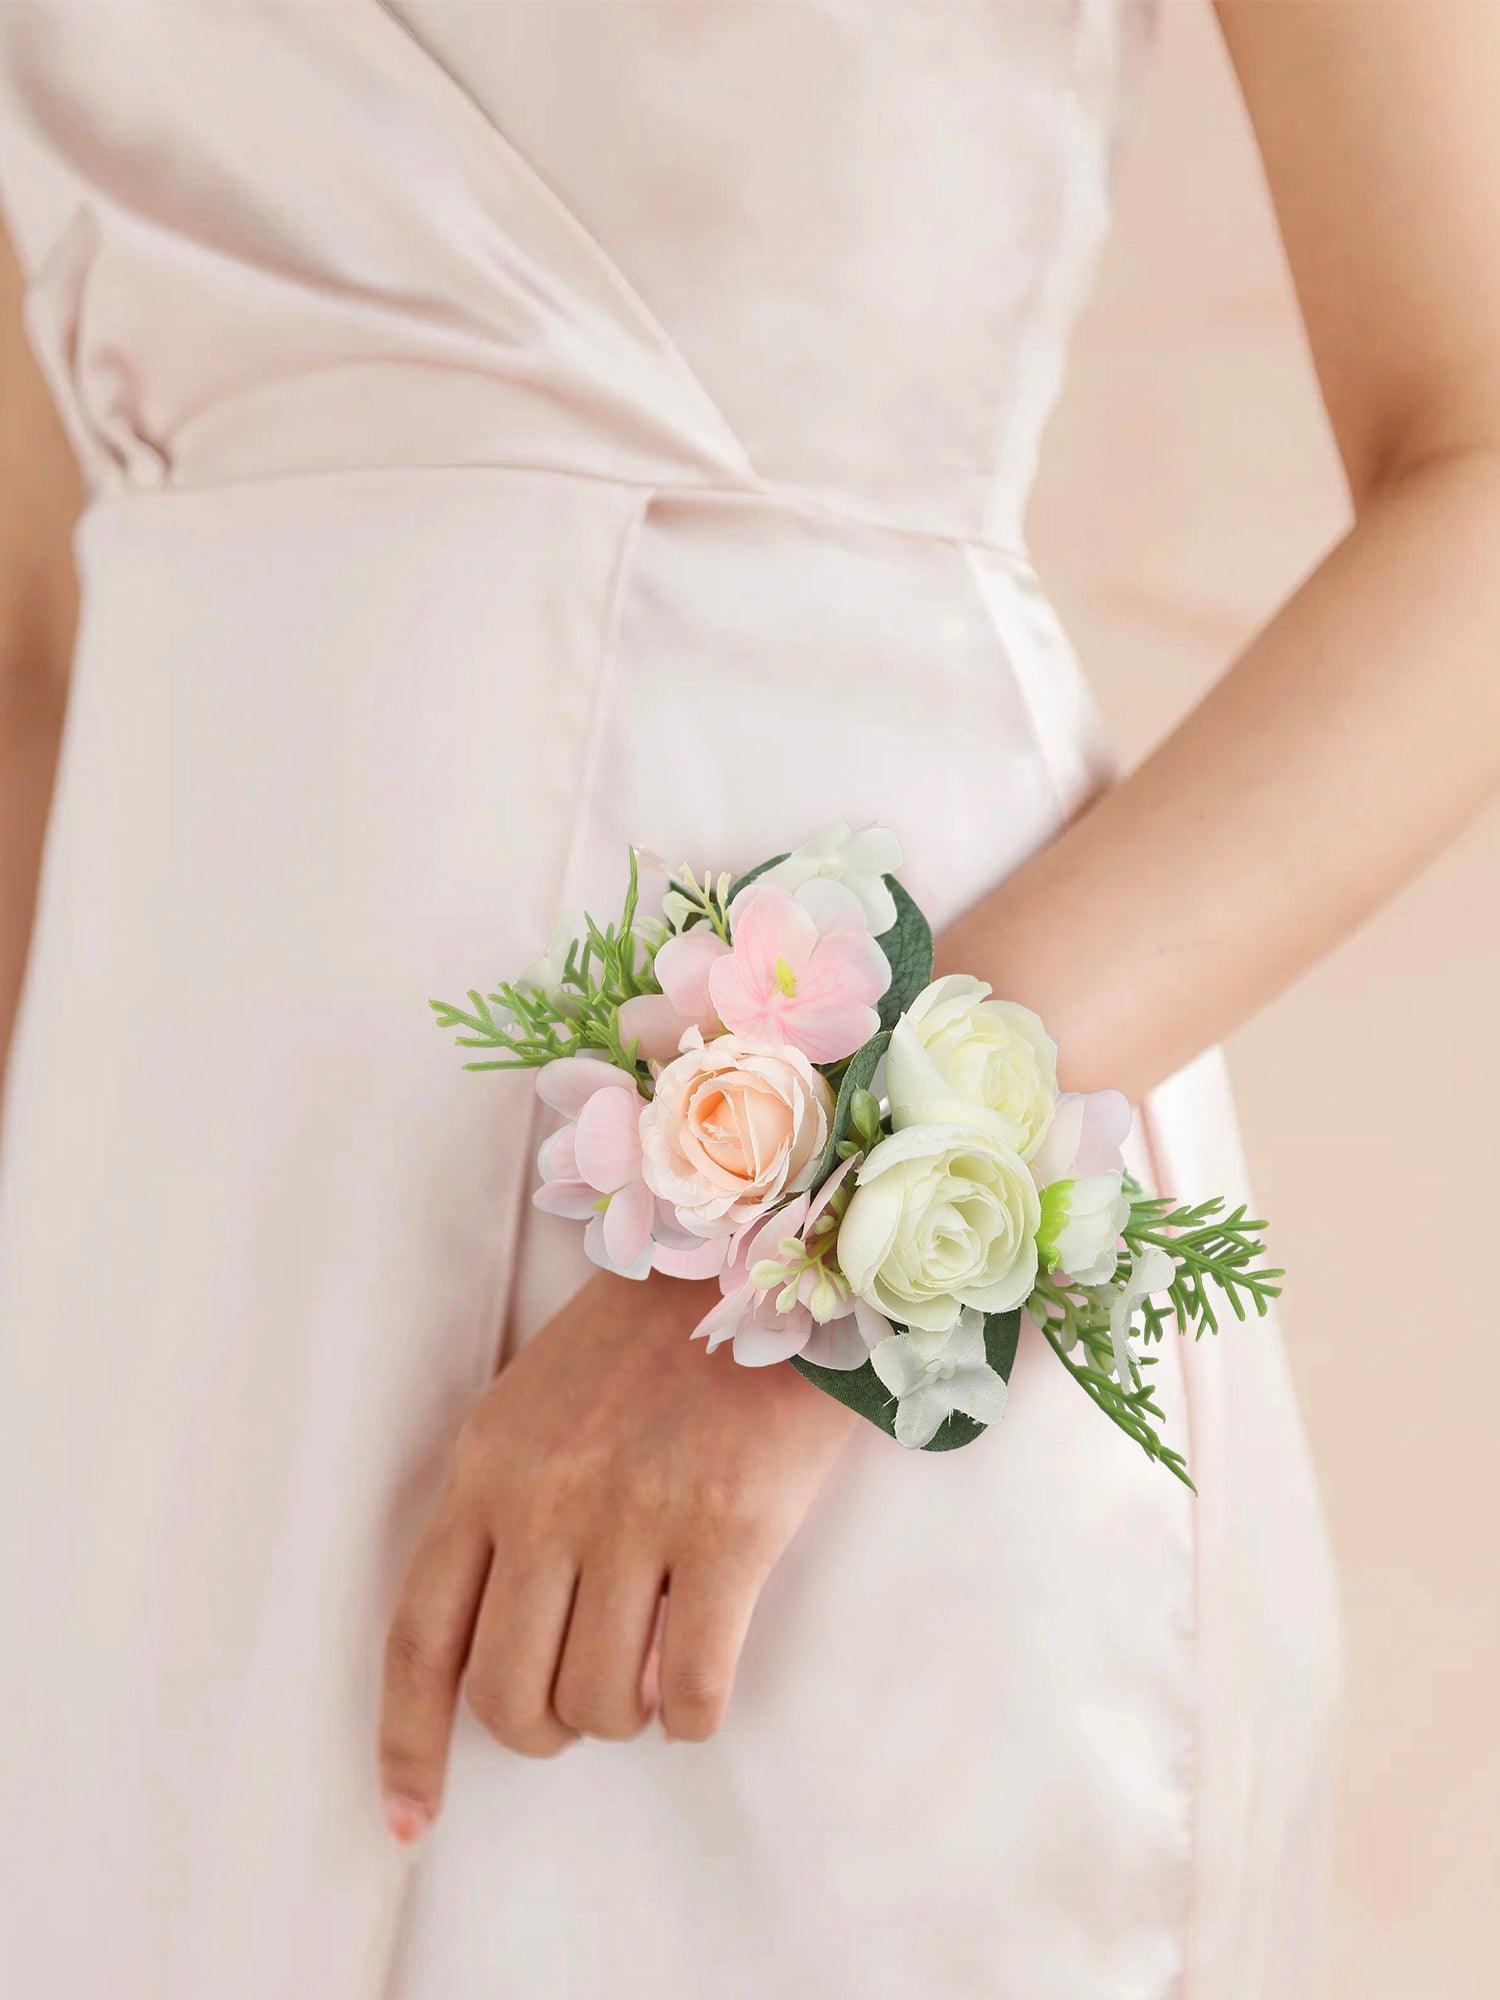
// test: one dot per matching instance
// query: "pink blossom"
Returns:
(591, 1169)
(658, 1021)
(801, 969)
(1088, 1129)
(783, 1294)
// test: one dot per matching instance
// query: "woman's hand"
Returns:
(611, 1461)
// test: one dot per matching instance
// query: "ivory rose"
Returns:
(942, 1217)
(734, 1128)
(957, 1057)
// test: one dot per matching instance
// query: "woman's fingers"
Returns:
(599, 1684)
(424, 1660)
(513, 1659)
(709, 1602)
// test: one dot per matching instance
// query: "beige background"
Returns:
(1189, 481)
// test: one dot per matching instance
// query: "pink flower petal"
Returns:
(1084, 1138)
(838, 1344)
(848, 964)
(746, 1005)
(556, 1159)
(627, 1224)
(1107, 1119)
(574, 1199)
(722, 1321)
(598, 1252)
(703, 1260)
(829, 1037)
(771, 1337)
(873, 1326)
(607, 1140)
(830, 1187)
(828, 1014)
(651, 1020)
(682, 968)
(569, 1083)
(787, 1221)
(766, 924)
(1054, 1157)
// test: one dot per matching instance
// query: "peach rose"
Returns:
(735, 1127)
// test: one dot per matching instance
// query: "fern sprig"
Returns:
(1074, 1320)
(1212, 1253)
(528, 1026)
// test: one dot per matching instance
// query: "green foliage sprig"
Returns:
(1212, 1252)
(534, 1026)
(1074, 1320)
(1211, 1249)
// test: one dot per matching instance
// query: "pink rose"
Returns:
(735, 1127)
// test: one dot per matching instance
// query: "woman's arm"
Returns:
(1361, 729)
(40, 497)
(611, 1459)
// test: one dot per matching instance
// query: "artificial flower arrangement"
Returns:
(764, 1085)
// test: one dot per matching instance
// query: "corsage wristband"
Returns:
(761, 1082)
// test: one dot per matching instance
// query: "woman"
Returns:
(511, 431)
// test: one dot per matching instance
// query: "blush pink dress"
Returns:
(513, 430)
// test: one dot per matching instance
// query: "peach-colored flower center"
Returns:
(740, 1127)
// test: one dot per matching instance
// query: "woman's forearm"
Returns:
(30, 727)
(1352, 738)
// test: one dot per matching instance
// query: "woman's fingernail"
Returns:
(408, 1819)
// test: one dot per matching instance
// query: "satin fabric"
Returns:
(516, 430)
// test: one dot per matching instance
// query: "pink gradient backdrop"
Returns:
(1189, 481)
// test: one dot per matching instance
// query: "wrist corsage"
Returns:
(761, 1083)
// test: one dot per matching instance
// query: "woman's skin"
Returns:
(611, 1462)
(40, 496)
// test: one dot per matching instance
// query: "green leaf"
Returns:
(761, 868)
(861, 1389)
(908, 946)
(862, 1066)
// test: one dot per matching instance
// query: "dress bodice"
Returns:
(831, 247)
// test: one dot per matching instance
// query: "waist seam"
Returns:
(792, 500)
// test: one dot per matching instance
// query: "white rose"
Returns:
(1081, 1224)
(958, 1057)
(942, 1217)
